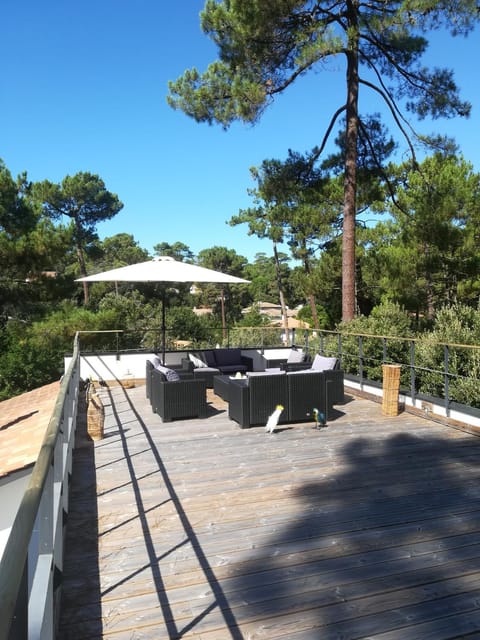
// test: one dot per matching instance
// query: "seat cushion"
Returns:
(233, 368)
(267, 372)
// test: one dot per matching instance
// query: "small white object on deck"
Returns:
(273, 419)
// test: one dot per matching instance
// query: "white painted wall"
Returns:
(132, 365)
(122, 367)
(111, 367)
(12, 488)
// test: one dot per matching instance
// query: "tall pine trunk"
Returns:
(224, 317)
(83, 271)
(349, 206)
(310, 296)
(281, 296)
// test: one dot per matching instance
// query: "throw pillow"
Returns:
(295, 356)
(197, 362)
(322, 363)
(170, 374)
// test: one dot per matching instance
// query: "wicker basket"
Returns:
(391, 388)
(128, 381)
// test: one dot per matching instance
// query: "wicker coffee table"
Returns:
(221, 385)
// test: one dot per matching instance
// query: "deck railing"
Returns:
(448, 372)
(32, 561)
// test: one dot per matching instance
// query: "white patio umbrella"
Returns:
(163, 269)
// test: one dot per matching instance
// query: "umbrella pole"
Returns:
(164, 329)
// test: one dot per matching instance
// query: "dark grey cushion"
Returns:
(170, 374)
(209, 358)
(228, 357)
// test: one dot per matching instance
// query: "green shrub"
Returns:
(305, 314)
(456, 325)
(255, 337)
(387, 320)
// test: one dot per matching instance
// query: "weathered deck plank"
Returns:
(368, 528)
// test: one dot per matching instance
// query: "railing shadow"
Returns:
(81, 587)
(220, 601)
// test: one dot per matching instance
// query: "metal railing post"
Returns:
(446, 380)
(360, 358)
(413, 392)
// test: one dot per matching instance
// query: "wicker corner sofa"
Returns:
(209, 363)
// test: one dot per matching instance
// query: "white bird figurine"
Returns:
(273, 419)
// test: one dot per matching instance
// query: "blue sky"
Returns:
(83, 88)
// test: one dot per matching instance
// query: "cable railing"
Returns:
(32, 561)
(449, 372)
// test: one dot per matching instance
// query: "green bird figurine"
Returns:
(319, 419)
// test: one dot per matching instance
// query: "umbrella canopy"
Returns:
(163, 269)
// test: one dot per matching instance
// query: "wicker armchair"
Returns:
(251, 401)
(185, 398)
(334, 386)
(184, 371)
(306, 391)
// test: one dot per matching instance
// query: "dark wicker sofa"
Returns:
(211, 362)
(252, 400)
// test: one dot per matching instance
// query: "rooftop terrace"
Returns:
(367, 528)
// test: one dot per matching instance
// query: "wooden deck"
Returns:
(368, 528)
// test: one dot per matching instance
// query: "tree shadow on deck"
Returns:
(388, 544)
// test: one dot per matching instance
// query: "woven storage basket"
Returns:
(391, 387)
